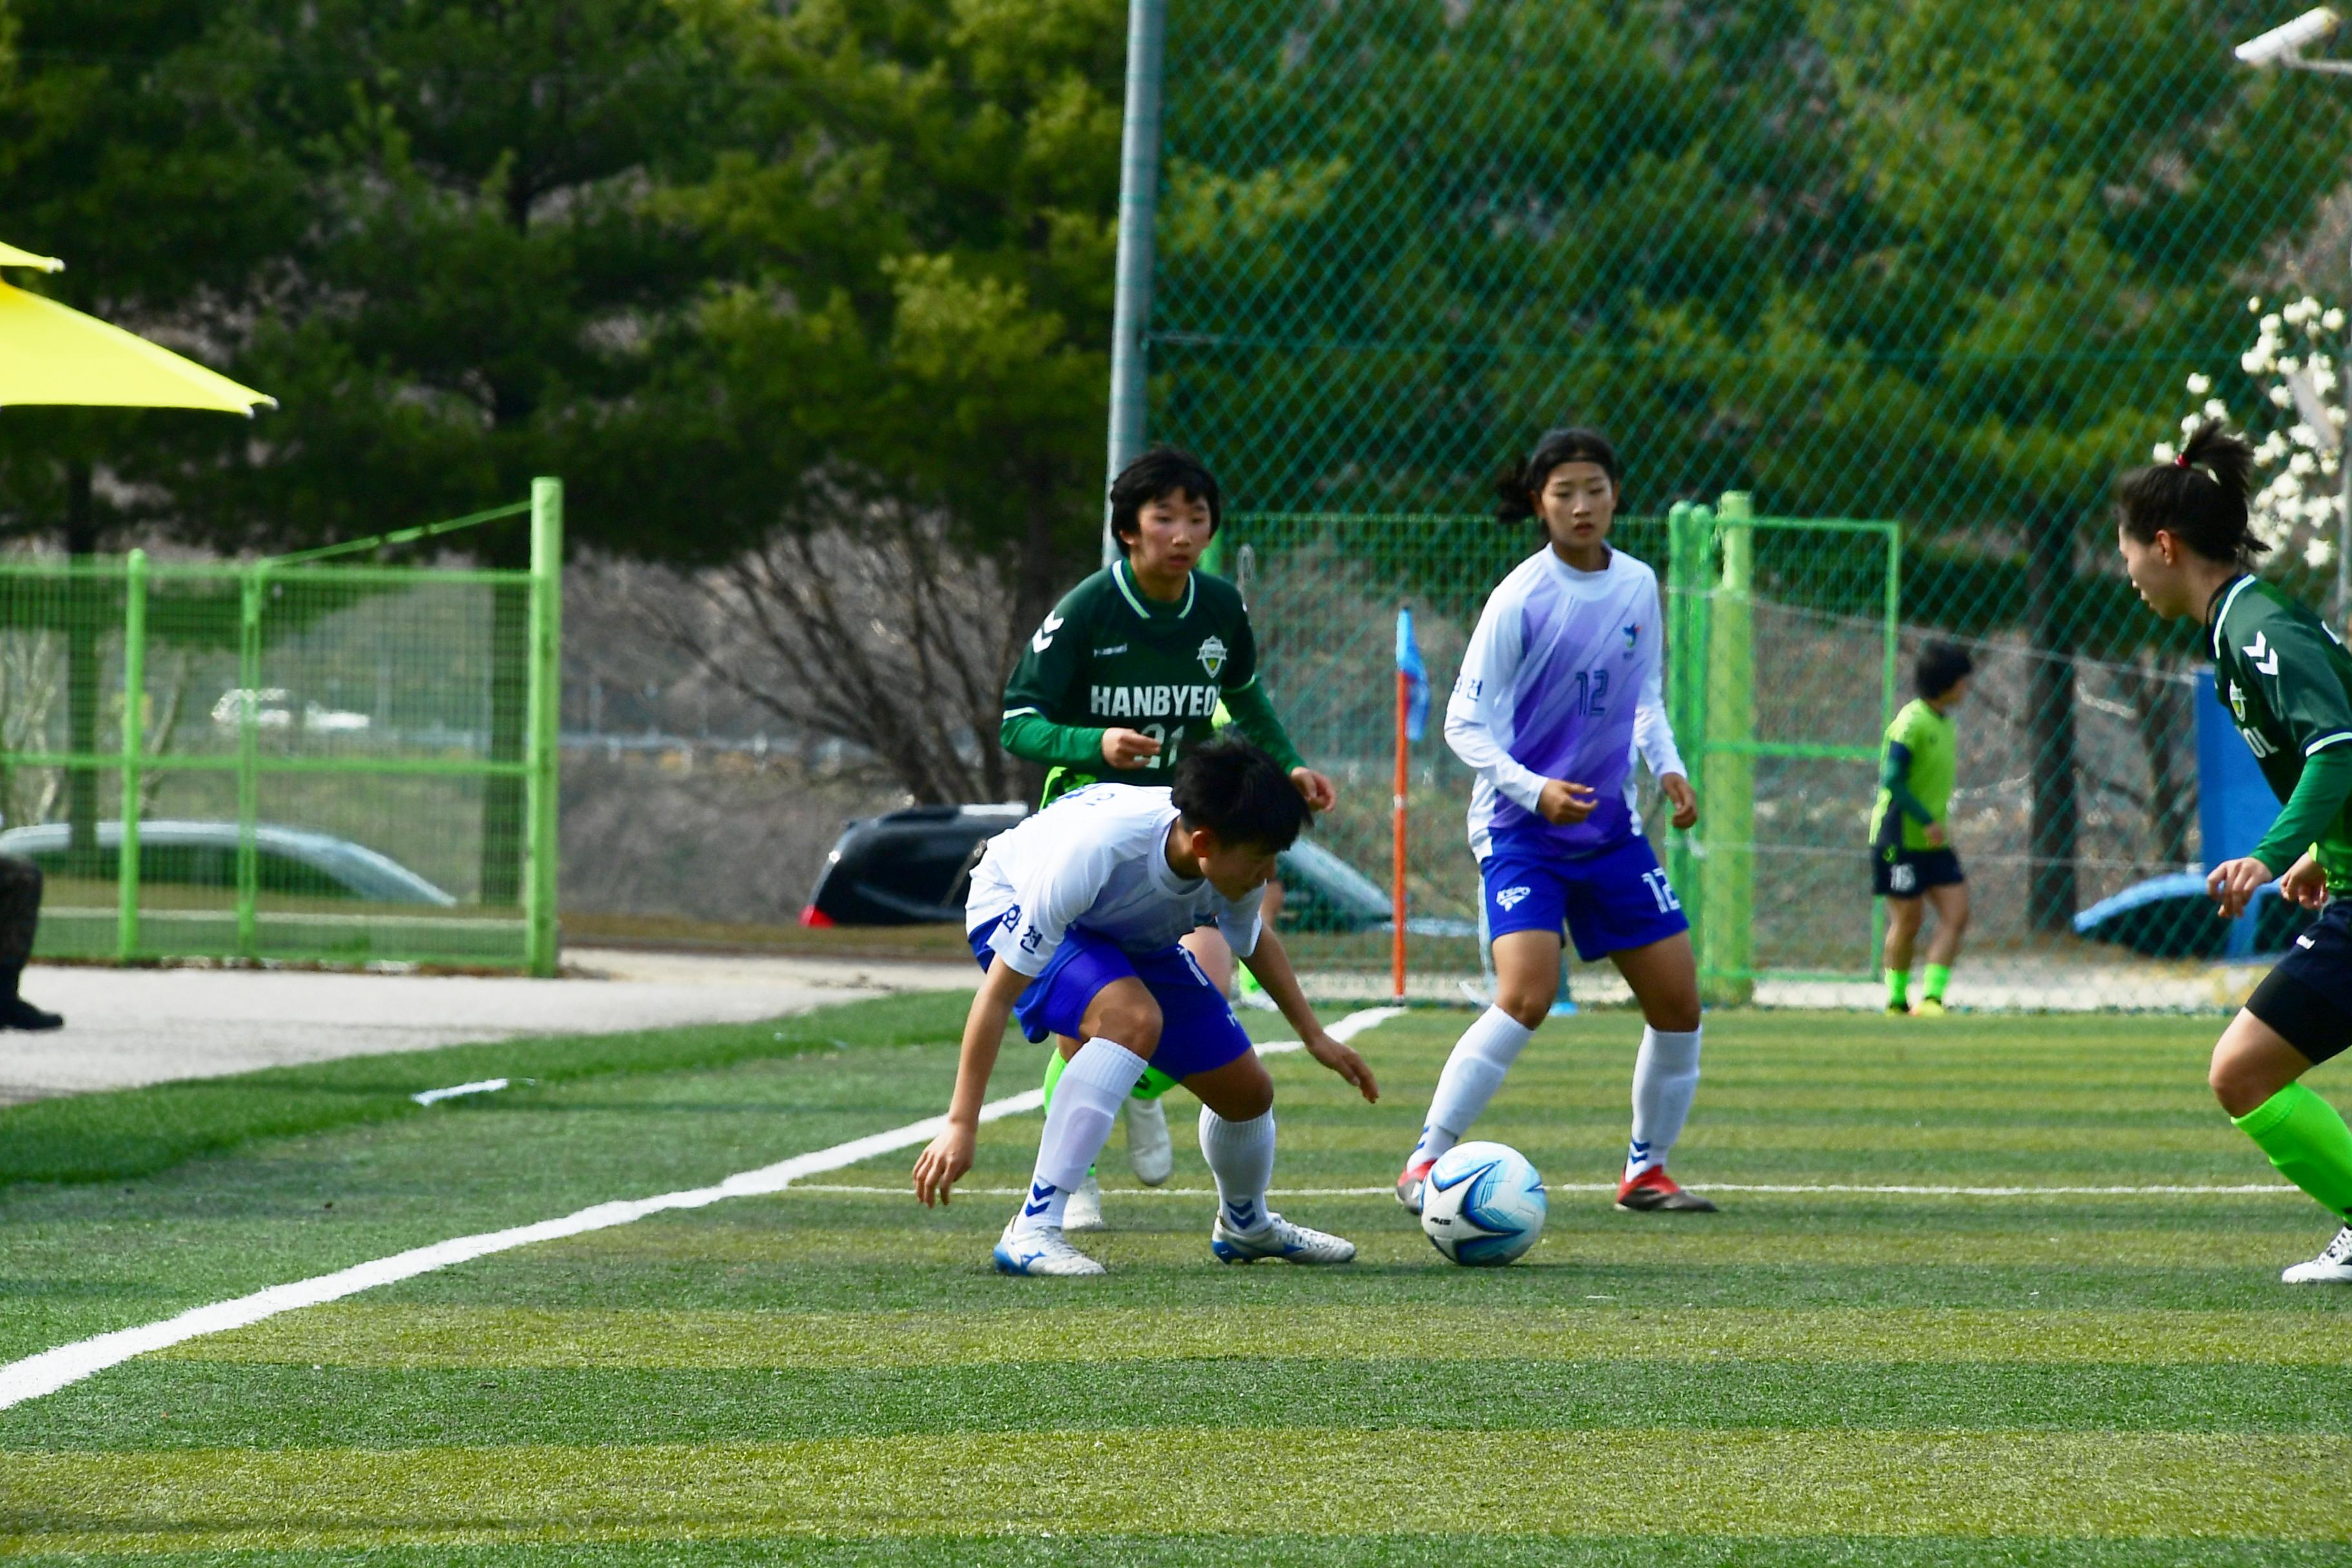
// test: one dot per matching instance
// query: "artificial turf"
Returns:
(835, 1376)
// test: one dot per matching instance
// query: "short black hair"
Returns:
(1238, 793)
(2199, 498)
(1941, 666)
(1159, 473)
(1522, 482)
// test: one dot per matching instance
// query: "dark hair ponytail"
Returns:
(1515, 491)
(2199, 498)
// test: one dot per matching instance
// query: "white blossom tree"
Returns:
(2296, 365)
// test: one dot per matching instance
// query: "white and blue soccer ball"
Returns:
(1483, 1204)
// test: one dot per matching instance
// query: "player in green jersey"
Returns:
(1133, 668)
(1913, 864)
(2187, 544)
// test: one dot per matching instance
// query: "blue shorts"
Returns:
(1610, 901)
(1198, 1031)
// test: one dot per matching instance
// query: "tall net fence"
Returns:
(1948, 266)
(298, 759)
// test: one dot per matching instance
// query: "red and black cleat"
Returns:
(1654, 1191)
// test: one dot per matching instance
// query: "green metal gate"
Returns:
(303, 758)
(1780, 683)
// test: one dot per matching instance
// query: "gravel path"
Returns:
(127, 1027)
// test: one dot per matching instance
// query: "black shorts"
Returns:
(2308, 997)
(1907, 873)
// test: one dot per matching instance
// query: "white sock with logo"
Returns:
(1473, 1073)
(1094, 1085)
(1240, 1156)
(1665, 1076)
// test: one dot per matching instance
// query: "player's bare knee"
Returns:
(1526, 1005)
(1132, 1022)
(1674, 1016)
(2238, 1081)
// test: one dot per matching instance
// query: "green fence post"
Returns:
(248, 759)
(1690, 557)
(544, 738)
(134, 741)
(1727, 820)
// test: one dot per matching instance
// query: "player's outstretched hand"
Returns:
(1344, 1060)
(2305, 882)
(2233, 883)
(1567, 804)
(1685, 798)
(1127, 748)
(943, 1164)
(1316, 788)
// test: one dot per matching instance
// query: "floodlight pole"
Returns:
(1138, 216)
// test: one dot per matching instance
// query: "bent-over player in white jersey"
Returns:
(1560, 689)
(1076, 916)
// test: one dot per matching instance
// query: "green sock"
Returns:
(1938, 976)
(2308, 1143)
(1898, 988)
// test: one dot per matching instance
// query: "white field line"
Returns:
(2274, 1189)
(52, 1370)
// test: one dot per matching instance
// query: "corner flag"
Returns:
(1416, 678)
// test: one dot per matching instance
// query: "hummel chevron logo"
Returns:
(2265, 657)
(1045, 637)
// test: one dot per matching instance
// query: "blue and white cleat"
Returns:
(1277, 1241)
(1043, 1251)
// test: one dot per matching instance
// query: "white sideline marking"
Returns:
(54, 1369)
(433, 1096)
(2254, 1188)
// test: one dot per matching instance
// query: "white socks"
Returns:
(1473, 1073)
(1240, 1156)
(1665, 1076)
(1094, 1085)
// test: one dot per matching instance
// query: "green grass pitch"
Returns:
(837, 1377)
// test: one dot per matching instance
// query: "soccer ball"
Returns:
(1483, 1204)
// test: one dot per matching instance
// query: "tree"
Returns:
(903, 362)
(125, 133)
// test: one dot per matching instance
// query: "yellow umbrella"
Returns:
(53, 353)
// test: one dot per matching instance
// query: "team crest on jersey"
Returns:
(2238, 701)
(1213, 655)
(1632, 636)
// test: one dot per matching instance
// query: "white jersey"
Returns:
(1564, 679)
(1097, 859)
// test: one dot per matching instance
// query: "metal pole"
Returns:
(134, 742)
(248, 759)
(540, 749)
(1138, 216)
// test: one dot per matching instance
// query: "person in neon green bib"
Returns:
(1912, 865)
(2187, 542)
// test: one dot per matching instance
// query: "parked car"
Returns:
(2172, 917)
(914, 867)
(292, 860)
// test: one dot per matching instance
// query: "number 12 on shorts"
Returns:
(1660, 890)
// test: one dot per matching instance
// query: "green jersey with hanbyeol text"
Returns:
(1111, 656)
(2287, 682)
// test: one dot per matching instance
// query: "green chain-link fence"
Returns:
(1947, 264)
(299, 758)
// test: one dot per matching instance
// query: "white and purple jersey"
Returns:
(1563, 679)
